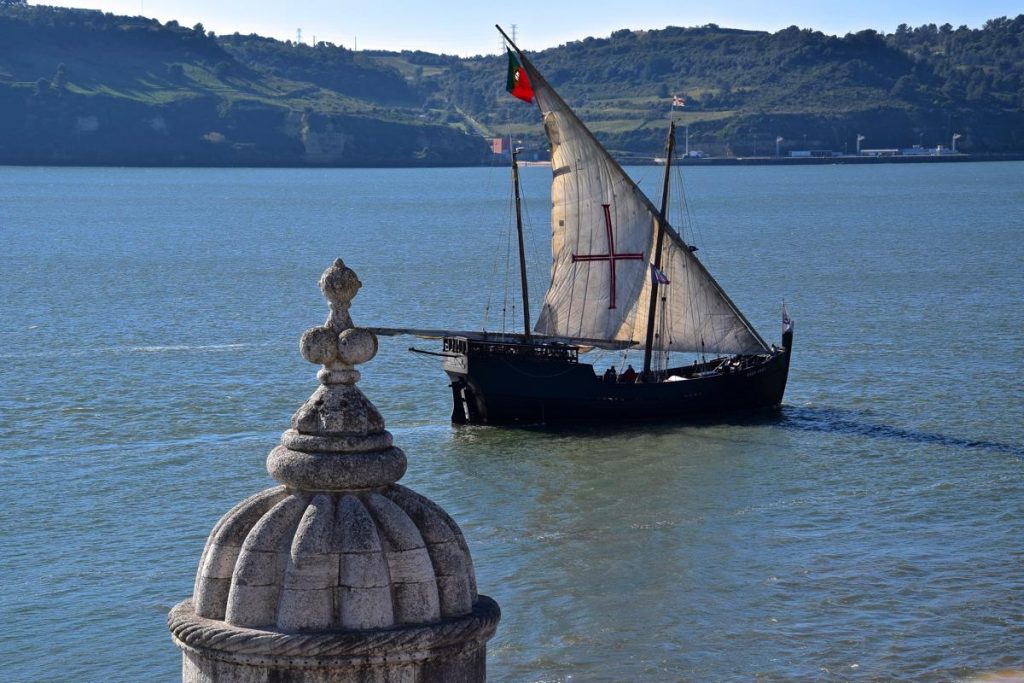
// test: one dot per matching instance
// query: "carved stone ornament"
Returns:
(340, 574)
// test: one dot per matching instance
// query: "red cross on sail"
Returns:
(611, 257)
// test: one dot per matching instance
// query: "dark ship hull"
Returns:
(519, 382)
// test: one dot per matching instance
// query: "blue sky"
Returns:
(467, 28)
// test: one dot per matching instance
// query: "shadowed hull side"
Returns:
(508, 388)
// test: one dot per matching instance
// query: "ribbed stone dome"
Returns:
(302, 561)
(340, 568)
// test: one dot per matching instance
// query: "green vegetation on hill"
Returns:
(84, 87)
(80, 86)
(745, 88)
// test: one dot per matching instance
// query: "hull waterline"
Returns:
(509, 384)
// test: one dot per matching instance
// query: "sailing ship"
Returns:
(622, 278)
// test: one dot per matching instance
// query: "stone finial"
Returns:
(337, 344)
(340, 575)
(337, 440)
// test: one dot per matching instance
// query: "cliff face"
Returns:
(361, 141)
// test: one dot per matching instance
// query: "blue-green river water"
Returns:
(873, 530)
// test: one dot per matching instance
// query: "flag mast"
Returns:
(515, 85)
(652, 310)
(522, 250)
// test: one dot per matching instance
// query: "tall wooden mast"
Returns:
(652, 310)
(522, 250)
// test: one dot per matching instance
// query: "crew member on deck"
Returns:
(629, 376)
(609, 374)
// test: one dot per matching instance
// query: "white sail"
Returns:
(603, 230)
(695, 314)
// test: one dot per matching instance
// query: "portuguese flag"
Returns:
(518, 84)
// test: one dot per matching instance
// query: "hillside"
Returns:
(85, 87)
(745, 88)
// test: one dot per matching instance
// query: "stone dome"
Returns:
(305, 561)
(339, 565)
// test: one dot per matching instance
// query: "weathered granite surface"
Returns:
(340, 574)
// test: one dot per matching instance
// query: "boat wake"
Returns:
(87, 351)
(188, 347)
(837, 421)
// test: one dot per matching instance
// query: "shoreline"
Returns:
(708, 161)
(805, 161)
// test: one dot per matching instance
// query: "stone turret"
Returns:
(340, 574)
